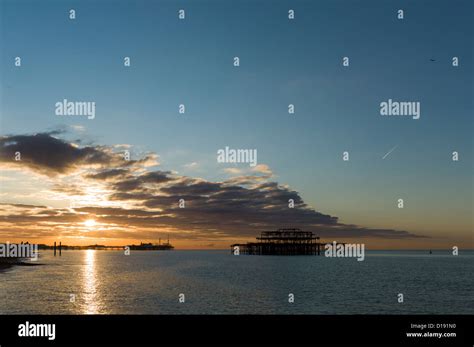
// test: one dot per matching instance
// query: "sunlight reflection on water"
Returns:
(91, 297)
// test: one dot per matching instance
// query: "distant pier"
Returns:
(282, 242)
(141, 247)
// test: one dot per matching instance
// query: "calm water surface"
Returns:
(216, 282)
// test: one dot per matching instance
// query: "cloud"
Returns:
(23, 205)
(111, 174)
(258, 169)
(191, 165)
(51, 156)
(141, 202)
(233, 170)
(69, 189)
(264, 169)
(78, 128)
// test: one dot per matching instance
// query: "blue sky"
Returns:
(282, 62)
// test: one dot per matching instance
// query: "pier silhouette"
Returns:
(141, 247)
(292, 241)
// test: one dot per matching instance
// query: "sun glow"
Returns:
(90, 223)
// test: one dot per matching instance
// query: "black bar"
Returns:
(239, 329)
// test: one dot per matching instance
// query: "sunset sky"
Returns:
(73, 185)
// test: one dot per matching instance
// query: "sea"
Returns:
(218, 282)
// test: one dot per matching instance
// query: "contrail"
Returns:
(390, 151)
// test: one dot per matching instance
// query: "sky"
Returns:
(71, 172)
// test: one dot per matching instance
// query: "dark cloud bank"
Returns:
(241, 206)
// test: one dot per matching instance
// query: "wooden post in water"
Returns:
(60, 248)
(54, 248)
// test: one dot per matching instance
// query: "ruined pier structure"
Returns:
(282, 242)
